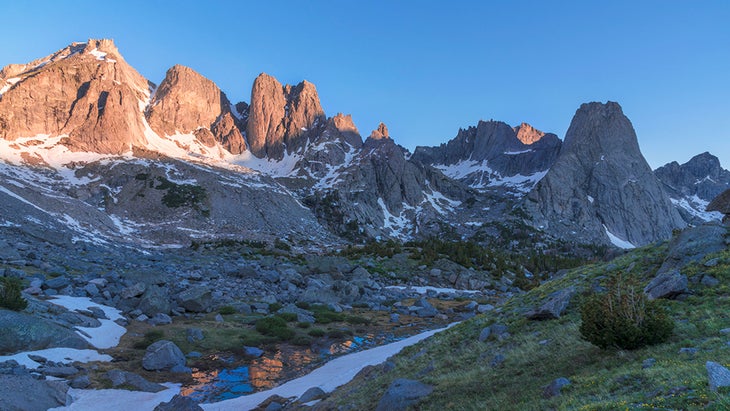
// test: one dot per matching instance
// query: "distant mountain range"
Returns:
(93, 151)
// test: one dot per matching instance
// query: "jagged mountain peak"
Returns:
(92, 98)
(188, 103)
(694, 184)
(279, 117)
(528, 134)
(601, 188)
(380, 133)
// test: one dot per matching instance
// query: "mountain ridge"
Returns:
(102, 107)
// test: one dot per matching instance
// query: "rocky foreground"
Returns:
(182, 307)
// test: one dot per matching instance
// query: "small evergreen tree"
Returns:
(10, 296)
(624, 318)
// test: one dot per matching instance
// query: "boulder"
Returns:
(160, 319)
(554, 305)
(423, 308)
(667, 285)
(133, 290)
(23, 392)
(23, 332)
(197, 299)
(119, 377)
(57, 283)
(314, 393)
(155, 300)
(403, 393)
(494, 331)
(717, 375)
(553, 389)
(194, 334)
(691, 245)
(179, 403)
(163, 355)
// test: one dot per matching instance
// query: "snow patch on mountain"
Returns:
(462, 168)
(696, 206)
(9, 83)
(618, 242)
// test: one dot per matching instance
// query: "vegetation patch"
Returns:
(624, 318)
(511, 373)
(183, 195)
(10, 294)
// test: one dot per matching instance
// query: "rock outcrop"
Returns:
(600, 188)
(186, 102)
(22, 331)
(280, 117)
(383, 193)
(85, 92)
(493, 153)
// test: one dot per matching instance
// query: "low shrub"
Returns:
(288, 317)
(10, 296)
(227, 310)
(316, 332)
(274, 327)
(624, 318)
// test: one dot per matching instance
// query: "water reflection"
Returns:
(272, 369)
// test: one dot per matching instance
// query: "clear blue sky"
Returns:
(427, 68)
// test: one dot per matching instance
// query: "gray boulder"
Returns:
(23, 332)
(554, 305)
(57, 283)
(160, 319)
(25, 393)
(692, 245)
(667, 285)
(554, 388)
(163, 355)
(403, 393)
(423, 308)
(494, 331)
(133, 290)
(155, 300)
(81, 382)
(194, 334)
(119, 377)
(717, 375)
(179, 403)
(197, 299)
(314, 393)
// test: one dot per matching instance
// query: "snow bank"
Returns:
(118, 400)
(105, 336)
(64, 355)
(618, 242)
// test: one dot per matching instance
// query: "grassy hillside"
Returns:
(466, 375)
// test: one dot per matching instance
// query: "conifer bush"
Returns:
(624, 318)
(10, 296)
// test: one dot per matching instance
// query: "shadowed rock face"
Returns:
(505, 151)
(600, 179)
(702, 176)
(280, 117)
(85, 91)
(185, 102)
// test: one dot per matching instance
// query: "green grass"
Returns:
(538, 352)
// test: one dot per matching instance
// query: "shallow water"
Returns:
(272, 369)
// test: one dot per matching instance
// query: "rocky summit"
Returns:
(600, 187)
(694, 184)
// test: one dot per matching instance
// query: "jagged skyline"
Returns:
(407, 66)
